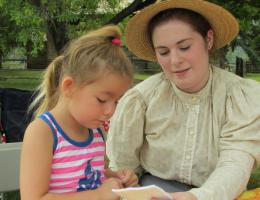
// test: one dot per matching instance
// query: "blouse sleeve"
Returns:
(125, 136)
(241, 131)
(239, 144)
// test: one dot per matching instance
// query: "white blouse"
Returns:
(210, 139)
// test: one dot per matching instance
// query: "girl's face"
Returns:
(93, 104)
(183, 54)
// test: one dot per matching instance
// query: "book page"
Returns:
(141, 193)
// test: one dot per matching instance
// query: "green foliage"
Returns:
(22, 26)
(248, 14)
(25, 23)
(254, 181)
(15, 195)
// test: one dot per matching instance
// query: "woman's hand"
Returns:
(178, 196)
(127, 177)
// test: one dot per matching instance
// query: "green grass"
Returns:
(253, 76)
(141, 77)
(254, 181)
(21, 73)
(30, 79)
(14, 195)
(20, 79)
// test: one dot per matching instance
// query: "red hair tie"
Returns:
(117, 42)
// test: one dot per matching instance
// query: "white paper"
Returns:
(141, 193)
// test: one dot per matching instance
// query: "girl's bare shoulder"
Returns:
(38, 130)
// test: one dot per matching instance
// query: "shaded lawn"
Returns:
(30, 79)
(20, 79)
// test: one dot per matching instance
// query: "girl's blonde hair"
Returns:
(86, 59)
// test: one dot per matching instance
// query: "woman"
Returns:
(194, 128)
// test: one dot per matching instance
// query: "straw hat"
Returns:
(224, 24)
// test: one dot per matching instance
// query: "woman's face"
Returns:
(183, 54)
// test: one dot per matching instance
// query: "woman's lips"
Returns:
(181, 71)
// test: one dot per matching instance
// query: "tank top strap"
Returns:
(48, 118)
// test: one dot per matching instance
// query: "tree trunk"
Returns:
(1, 56)
(239, 67)
(51, 49)
(222, 57)
(40, 62)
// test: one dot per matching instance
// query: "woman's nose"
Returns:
(175, 58)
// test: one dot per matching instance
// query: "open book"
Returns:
(141, 193)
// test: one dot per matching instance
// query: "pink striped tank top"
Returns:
(76, 166)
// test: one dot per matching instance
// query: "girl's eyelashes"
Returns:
(101, 100)
(107, 101)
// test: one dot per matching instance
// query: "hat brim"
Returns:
(223, 23)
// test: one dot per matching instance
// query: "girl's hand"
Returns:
(178, 196)
(183, 196)
(128, 177)
(106, 189)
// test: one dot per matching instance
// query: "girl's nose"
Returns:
(110, 109)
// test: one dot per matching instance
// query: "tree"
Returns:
(47, 25)
(20, 26)
(248, 14)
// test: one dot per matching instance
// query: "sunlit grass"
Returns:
(254, 76)
(141, 76)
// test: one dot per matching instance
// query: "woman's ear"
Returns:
(210, 39)
(67, 86)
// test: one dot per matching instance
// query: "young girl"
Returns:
(63, 148)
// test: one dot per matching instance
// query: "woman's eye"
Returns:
(184, 48)
(163, 53)
(101, 101)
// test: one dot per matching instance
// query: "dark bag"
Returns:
(14, 117)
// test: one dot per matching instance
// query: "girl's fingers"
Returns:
(134, 182)
(130, 180)
(160, 198)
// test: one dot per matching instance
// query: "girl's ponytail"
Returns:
(47, 93)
